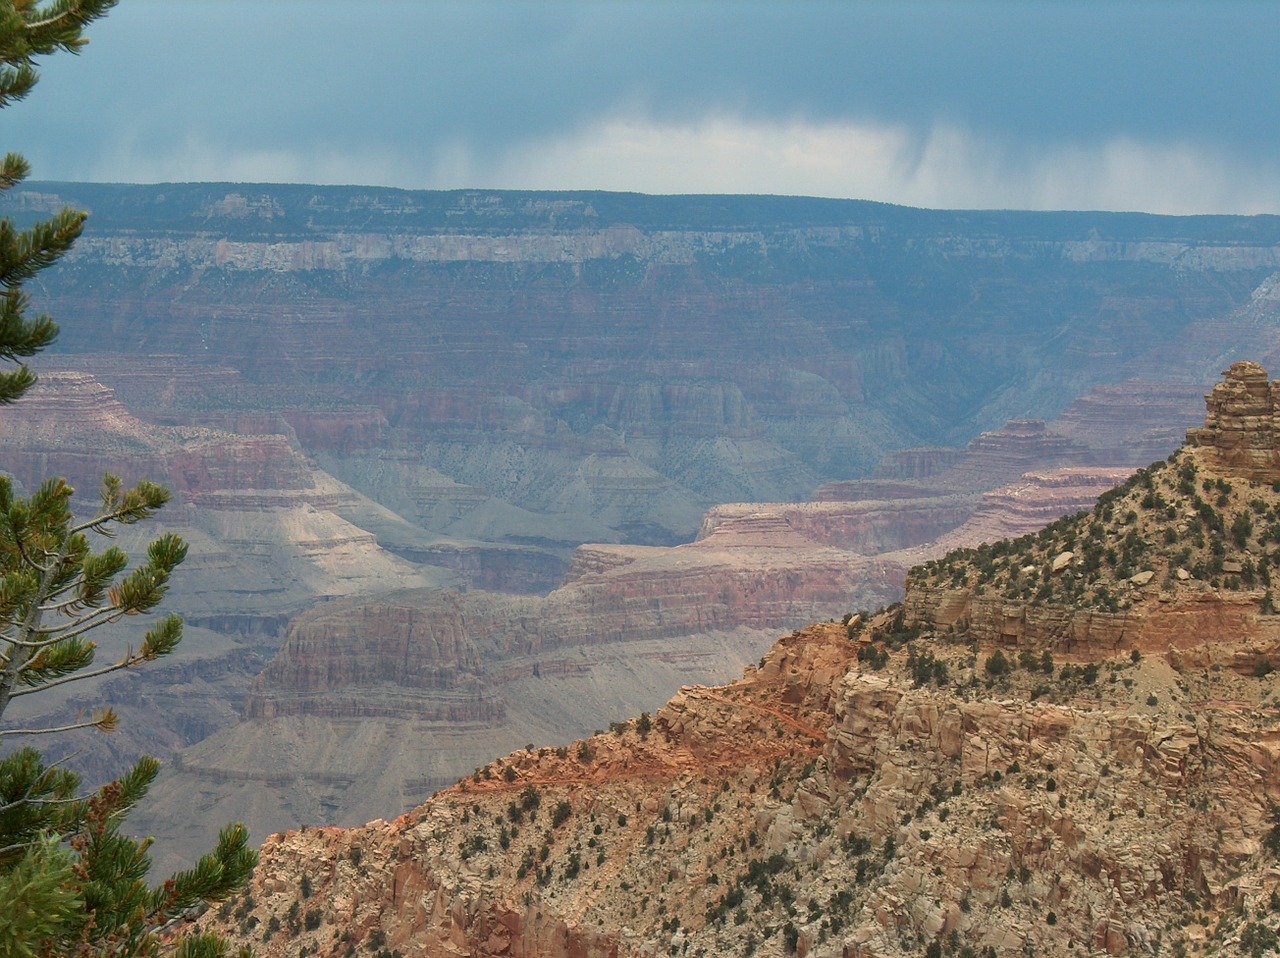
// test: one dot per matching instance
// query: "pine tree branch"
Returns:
(95, 619)
(96, 723)
(135, 659)
(72, 19)
(27, 800)
(63, 606)
(87, 623)
(33, 646)
(26, 559)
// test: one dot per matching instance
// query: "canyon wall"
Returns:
(372, 703)
(824, 806)
(520, 397)
(1065, 741)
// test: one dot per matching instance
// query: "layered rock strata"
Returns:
(493, 379)
(828, 806)
(739, 349)
(1241, 434)
(269, 535)
(1179, 551)
(440, 681)
(1065, 741)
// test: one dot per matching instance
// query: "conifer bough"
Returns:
(70, 883)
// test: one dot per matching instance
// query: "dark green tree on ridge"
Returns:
(70, 883)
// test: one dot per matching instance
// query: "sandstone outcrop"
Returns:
(825, 807)
(270, 533)
(1055, 743)
(1241, 435)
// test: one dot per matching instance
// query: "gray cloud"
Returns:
(438, 94)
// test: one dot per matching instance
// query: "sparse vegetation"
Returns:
(1159, 521)
(748, 884)
(997, 663)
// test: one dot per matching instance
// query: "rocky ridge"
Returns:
(1102, 781)
(465, 387)
(1182, 547)
(476, 674)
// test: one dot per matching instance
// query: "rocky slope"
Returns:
(1045, 749)
(362, 390)
(373, 703)
(479, 674)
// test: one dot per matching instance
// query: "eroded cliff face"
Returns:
(476, 674)
(1240, 437)
(635, 360)
(414, 689)
(827, 807)
(270, 533)
(269, 536)
(1030, 753)
(356, 391)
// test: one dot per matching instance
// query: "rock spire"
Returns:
(1241, 432)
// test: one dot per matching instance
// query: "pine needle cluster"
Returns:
(71, 883)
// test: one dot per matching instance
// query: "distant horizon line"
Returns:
(269, 184)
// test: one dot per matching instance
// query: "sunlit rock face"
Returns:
(1241, 434)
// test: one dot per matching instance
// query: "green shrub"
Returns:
(561, 814)
(1257, 939)
(1271, 840)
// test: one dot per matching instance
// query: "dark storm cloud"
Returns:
(416, 93)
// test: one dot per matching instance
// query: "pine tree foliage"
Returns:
(29, 30)
(71, 883)
(54, 589)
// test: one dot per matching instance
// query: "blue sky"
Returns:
(1161, 106)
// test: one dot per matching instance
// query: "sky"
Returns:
(1166, 107)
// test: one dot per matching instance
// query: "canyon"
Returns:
(465, 469)
(1063, 742)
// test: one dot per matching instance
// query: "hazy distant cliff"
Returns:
(709, 349)
(359, 391)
